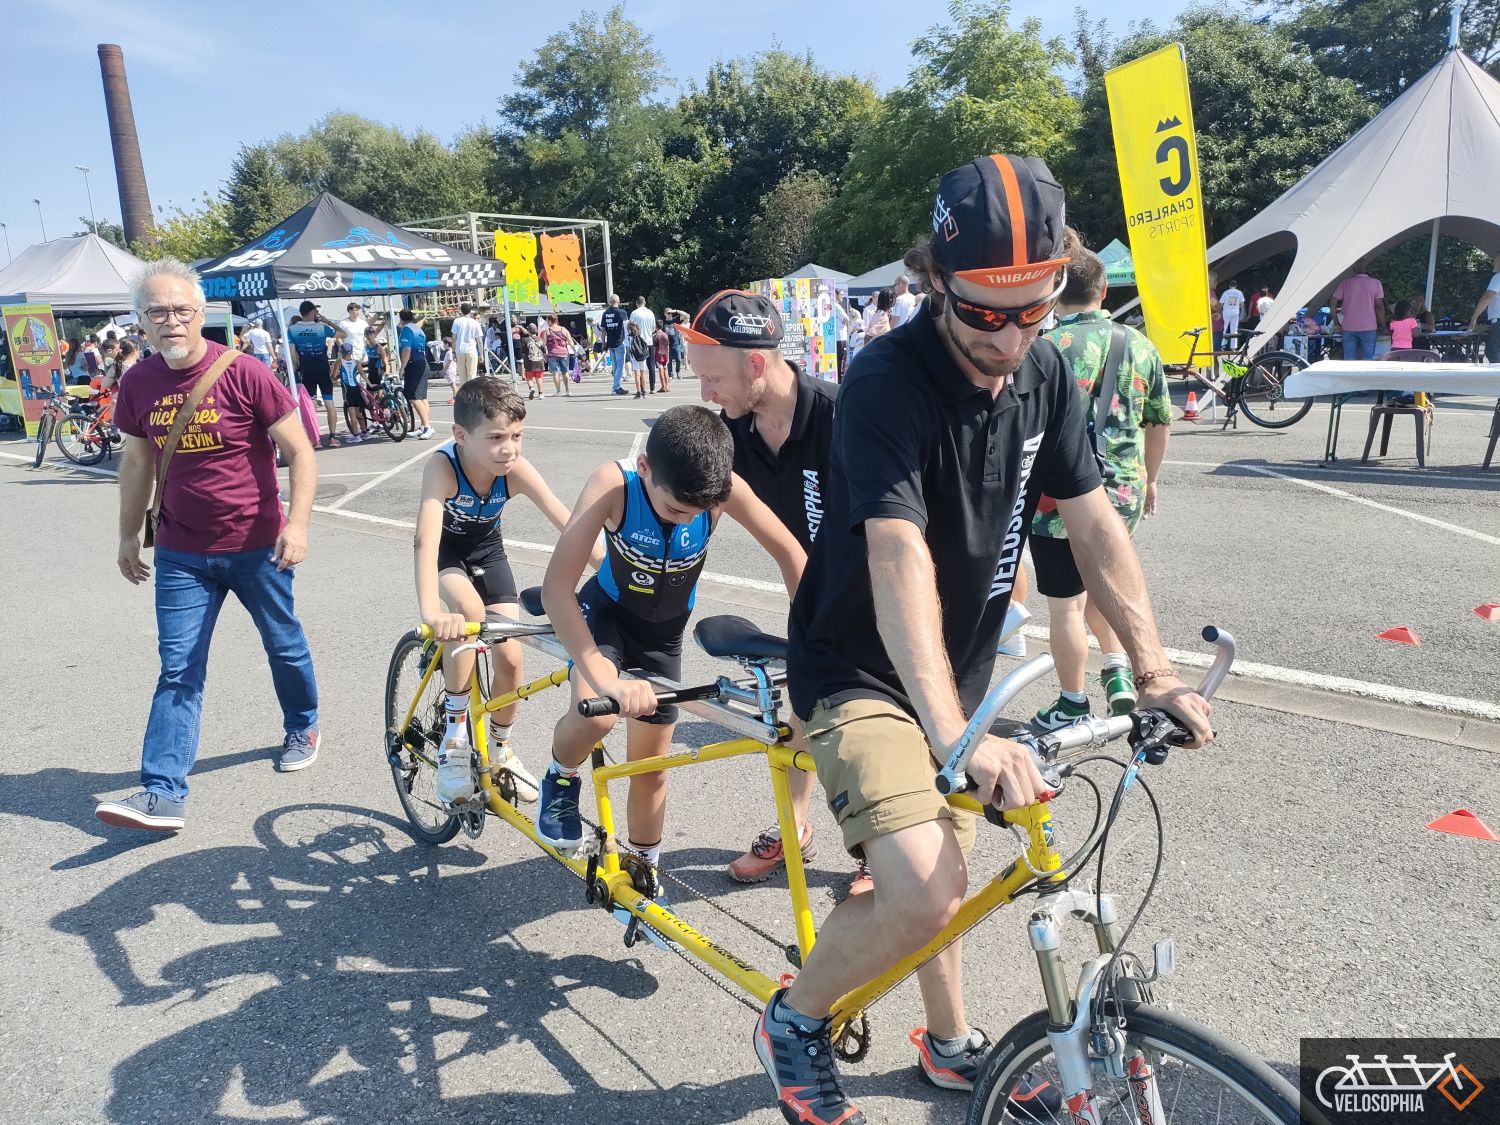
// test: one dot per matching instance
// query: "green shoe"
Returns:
(1063, 713)
(1118, 690)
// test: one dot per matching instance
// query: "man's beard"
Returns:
(987, 366)
(176, 351)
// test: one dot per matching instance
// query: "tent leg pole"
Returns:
(510, 340)
(286, 346)
(609, 268)
(1432, 261)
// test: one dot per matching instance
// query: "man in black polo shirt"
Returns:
(949, 429)
(613, 322)
(782, 424)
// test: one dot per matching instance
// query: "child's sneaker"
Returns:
(1063, 713)
(504, 758)
(1118, 689)
(455, 773)
(557, 821)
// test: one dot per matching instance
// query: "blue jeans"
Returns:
(617, 363)
(1359, 345)
(190, 589)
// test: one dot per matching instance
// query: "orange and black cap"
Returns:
(734, 318)
(998, 221)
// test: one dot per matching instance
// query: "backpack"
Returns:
(534, 353)
(638, 347)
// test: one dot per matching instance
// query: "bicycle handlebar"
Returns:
(493, 630)
(953, 778)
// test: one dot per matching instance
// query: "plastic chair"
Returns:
(1383, 414)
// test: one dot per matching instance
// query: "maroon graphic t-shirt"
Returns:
(222, 493)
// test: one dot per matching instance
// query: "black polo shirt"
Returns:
(791, 481)
(915, 440)
(613, 322)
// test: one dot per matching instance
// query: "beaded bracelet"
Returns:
(1144, 678)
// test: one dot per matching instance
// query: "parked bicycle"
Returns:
(83, 428)
(1252, 388)
(387, 409)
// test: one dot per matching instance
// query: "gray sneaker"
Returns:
(299, 751)
(148, 810)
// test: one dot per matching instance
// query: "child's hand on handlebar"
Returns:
(1005, 774)
(1174, 697)
(635, 697)
(446, 627)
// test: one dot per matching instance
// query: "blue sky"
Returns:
(201, 88)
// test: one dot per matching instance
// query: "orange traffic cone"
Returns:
(1401, 634)
(1461, 822)
(1190, 412)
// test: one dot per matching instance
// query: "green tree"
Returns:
(189, 235)
(1264, 115)
(110, 232)
(774, 122)
(1383, 46)
(378, 168)
(978, 86)
(780, 238)
(583, 136)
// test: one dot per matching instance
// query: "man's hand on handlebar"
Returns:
(1174, 697)
(1005, 774)
(446, 627)
(635, 697)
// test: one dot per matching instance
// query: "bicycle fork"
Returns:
(1071, 1030)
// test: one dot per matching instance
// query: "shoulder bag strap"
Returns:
(1107, 383)
(180, 422)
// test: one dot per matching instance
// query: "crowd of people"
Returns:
(885, 502)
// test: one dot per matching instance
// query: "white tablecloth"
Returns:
(1346, 376)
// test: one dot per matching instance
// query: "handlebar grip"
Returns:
(598, 708)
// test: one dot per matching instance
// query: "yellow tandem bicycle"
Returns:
(1114, 1056)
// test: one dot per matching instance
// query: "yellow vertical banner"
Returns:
(518, 252)
(1157, 151)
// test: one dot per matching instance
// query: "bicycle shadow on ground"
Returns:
(63, 795)
(398, 987)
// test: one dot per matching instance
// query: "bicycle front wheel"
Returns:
(412, 751)
(1261, 391)
(80, 440)
(43, 436)
(395, 420)
(1198, 1077)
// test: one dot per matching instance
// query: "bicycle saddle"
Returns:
(734, 638)
(531, 601)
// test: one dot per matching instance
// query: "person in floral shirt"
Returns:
(1136, 425)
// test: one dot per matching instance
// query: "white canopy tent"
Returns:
(78, 275)
(1430, 162)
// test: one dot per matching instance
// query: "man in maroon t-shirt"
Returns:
(221, 531)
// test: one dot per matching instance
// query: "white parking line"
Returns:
(578, 430)
(90, 469)
(1338, 685)
(1342, 495)
(1423, 476)
(381, 479)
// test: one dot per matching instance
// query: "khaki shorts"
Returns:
(877, 771)
(468, 366)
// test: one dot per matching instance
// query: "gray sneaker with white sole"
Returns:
(151, 811)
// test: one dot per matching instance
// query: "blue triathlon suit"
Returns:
(638, 605)
(310, 339)
(471, 539)
(374, 365)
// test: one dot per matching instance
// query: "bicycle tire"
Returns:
(414, 770)
(43, 436)
(1260, 398)
(71, 437)
(396, 426)
(407, 412)
(1261, 1095)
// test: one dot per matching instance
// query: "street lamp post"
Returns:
(41, 220)
(93, 219)
(6, 231)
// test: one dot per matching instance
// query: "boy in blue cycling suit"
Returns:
(350, 378)
(657, 513)
(462, 570)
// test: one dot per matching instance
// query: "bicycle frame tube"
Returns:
(1041, 854)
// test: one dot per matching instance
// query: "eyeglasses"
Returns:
(987, 318)
(160, 314)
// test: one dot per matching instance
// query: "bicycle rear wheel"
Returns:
(1261, 391)
(1199, 1077)
(80, 440)
(412, 752)
(43, 436)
